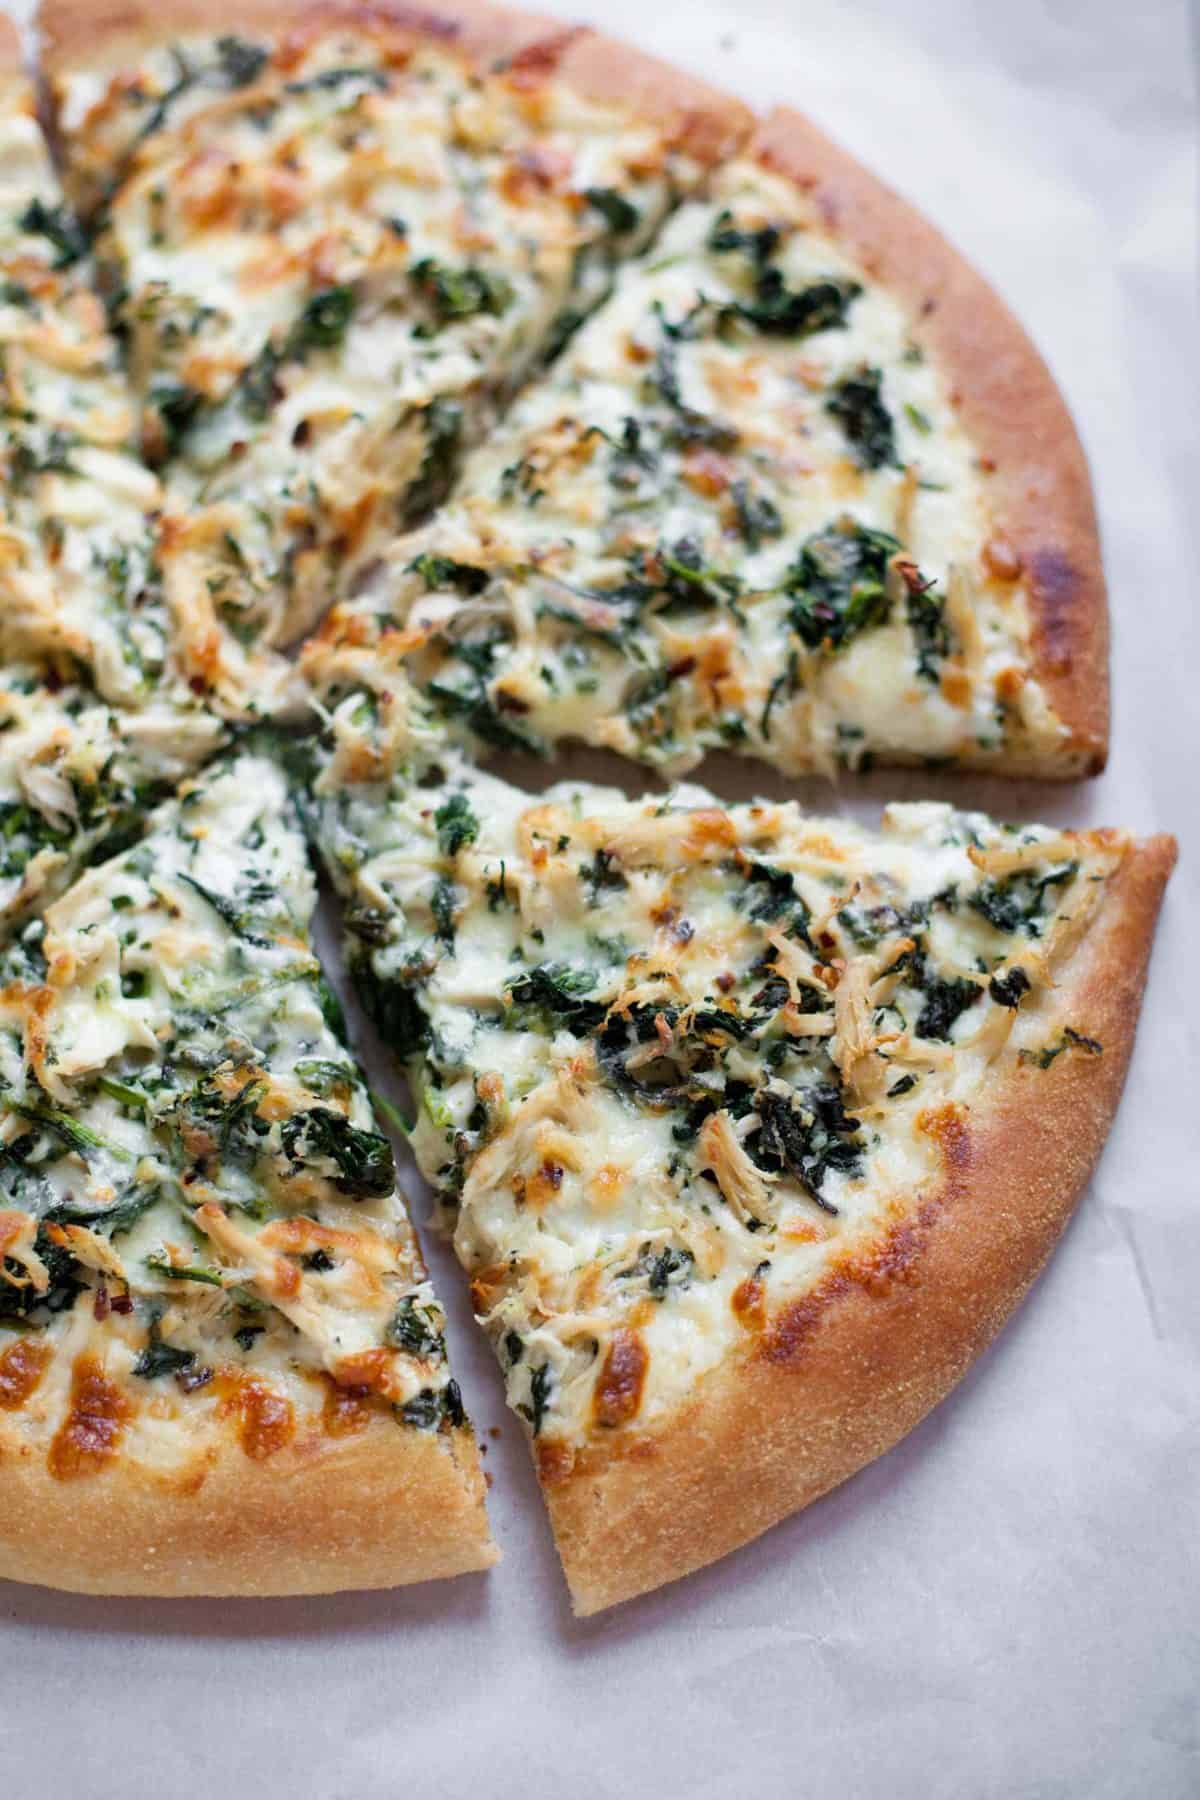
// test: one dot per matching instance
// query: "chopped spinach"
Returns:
(415, 1330)
(538, 1405)
(809, 1133)
(776, 308)
(361, 1161)
(1010, 988)
(757, 515)
(323, 323)
(857, 405)
(443, 424)
(60, 227)
(944, 1000)
(461, 293)
(456, 824)
(160, 1358)
(838, 583)
(1018, 902)
(241, 63)
(441, 572)
(619, 214)
(556, 990)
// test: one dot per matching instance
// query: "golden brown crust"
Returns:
(1010, 405)
(840, 1376)
(708, 123)
(382, 1508)
(12, 61)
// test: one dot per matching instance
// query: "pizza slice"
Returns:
(752, 1128)
(94, 725)
(222, 1365)
(340, 240)
(801, 489)
(81, 586)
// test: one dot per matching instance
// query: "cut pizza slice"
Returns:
(339, 239)
(752, 1128)
(801, 489)
(93, 726)
(222, 1365)
(81, 589)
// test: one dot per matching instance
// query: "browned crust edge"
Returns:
(843, 1374)
(383, 1508)
(707, 122)
(12, 56)
(1009, 404)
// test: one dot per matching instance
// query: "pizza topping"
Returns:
(658, 1043)
(738, 513)
(331, 271)
(91, 1433)
(22, 1366)
(187, 1153)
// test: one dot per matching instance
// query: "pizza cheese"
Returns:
(338, 246)
(743, 511)
(678, 1064)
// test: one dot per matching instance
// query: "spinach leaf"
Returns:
(857, 405)
(443, 425)
(777, 309)
(456, 824)
(556, 990)
(323, 323)
(1010, 988)
(431, 1408)
(538, 1405)
(461, 293)
(837, 584)
(160, 1358)
(757, 515)
(441, 572)
(1017, 904)
(60, 227)
(361, 1161)
(241, 63)
(808, 1133)
(619, 214)
(414, 1330)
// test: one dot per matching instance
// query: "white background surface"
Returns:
(1008, 1604)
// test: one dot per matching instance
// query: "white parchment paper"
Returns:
(1008, 1604)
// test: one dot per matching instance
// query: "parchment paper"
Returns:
(1007, 1604)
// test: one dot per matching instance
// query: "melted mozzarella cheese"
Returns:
(191, 1144)
(673, 1060)
(339, 253)
(710, 528)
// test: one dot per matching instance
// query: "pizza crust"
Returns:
(383, 1508)
(12, 60)
(1009, 403)
(842, 1374)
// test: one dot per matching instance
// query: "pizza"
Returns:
(801, 489)
(338, 242)
(751, 1127)
(384, 390)
(224, 1368)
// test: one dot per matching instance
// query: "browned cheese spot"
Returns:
(618, 1394)
(346, 1410)
(265, 1418)
(21, 1368)
(96, 1417)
